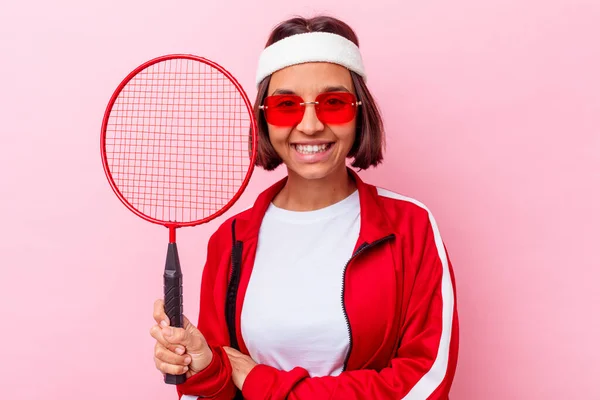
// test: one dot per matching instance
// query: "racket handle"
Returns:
(173, 286)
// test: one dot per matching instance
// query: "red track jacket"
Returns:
(398, 296)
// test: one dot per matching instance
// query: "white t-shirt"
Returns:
(292, 313)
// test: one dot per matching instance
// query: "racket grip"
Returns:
(173, 288)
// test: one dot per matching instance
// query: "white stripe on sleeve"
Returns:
(435, 376)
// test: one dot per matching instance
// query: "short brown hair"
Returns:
(369, 142)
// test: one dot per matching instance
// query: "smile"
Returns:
(311, 149)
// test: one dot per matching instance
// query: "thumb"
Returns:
(189, 336)
(187, 324)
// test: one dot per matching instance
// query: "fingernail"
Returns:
(164, 323)
(188, 360)
(179, 350)
(185, 369)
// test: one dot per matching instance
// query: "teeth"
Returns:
(311, 149)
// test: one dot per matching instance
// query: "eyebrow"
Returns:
(328, 89)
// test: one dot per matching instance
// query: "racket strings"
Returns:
(177, 141)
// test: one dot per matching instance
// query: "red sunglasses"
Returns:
(331, 108)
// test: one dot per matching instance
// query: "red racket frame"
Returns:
(174, 225)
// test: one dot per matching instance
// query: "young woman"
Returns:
(328, 287)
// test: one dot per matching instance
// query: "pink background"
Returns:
(492, 111)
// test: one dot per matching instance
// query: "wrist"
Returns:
(201, 361)
(209, 357)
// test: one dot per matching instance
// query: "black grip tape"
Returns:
(173, 288)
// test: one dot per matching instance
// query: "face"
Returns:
(312, 149)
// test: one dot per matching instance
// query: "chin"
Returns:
(313, 171)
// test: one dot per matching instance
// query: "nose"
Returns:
(310, 124)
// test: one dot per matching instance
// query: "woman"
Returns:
(328, 287)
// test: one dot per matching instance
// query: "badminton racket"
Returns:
(178, 145)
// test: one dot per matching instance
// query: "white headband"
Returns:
(310, 47)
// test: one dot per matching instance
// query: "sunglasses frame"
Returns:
(354, 104)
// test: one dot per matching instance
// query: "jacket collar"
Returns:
(374, 224)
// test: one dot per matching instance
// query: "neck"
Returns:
(300, 194)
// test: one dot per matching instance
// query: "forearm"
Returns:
(405, 379)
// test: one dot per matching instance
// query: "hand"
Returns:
(241, 366)
(178, 350)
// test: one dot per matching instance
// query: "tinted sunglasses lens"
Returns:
(336, 107)
(283, 110)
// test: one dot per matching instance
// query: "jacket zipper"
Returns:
(232, 288)
(358, 251)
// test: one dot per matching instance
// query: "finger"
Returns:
(167, 368)
(156, 333)
(176, 336)
(167, 356)
(190, 338)
(159, 313)
(186, 323)
(231, 351)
